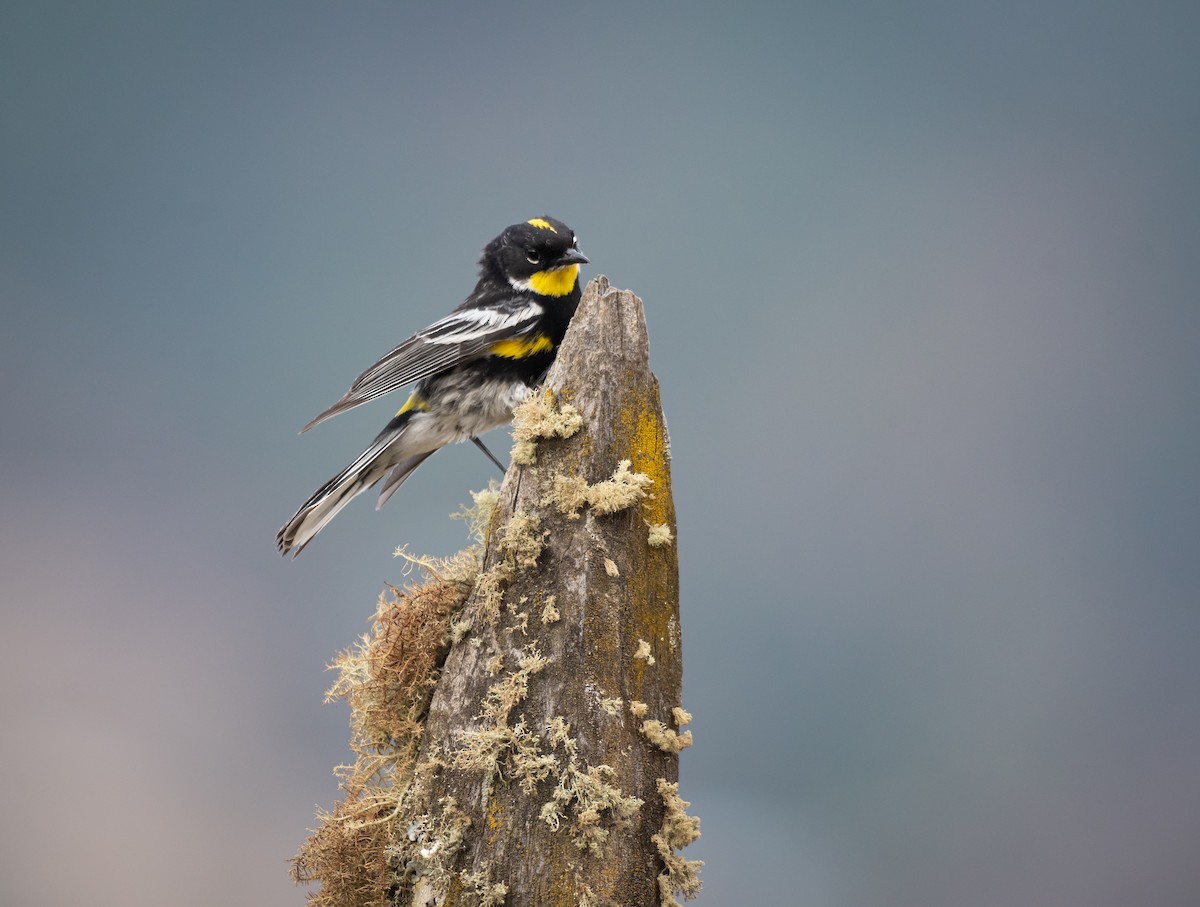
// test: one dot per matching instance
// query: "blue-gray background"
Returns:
(921, 282)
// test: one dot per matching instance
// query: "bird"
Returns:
(468, 369)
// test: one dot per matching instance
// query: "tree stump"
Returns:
(545, 769)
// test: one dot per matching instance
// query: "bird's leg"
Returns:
(491, 456)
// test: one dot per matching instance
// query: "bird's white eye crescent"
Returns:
(534, 256)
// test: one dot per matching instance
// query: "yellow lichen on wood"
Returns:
(649, 457)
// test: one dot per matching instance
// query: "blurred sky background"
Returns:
(923, 296)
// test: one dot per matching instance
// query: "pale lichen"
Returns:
(537, 417)
(489, 893)
(664, 738)
(515, 745)
(425, 851)
(569, 494)
(623, 490)
(459, 629)
(518, 549)
(660, 535)
(478, 516)
(682, 716)
(643, 652)
(584, 793)
(679, 876)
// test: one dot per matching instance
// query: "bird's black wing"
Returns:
(467, 333)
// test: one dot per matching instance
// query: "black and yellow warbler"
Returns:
(470, 368)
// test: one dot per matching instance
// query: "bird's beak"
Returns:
(573, 257)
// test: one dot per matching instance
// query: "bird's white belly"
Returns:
(466, 411)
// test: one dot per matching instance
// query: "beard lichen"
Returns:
(584, 796)
(479, 515)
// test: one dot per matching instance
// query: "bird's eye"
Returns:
(574, 240)
(534, 256)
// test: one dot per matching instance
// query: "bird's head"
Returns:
(541, 255)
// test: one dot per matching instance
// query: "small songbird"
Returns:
(470, 368)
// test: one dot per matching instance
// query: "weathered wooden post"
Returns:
(546, 770)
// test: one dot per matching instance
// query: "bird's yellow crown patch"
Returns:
(541, 223)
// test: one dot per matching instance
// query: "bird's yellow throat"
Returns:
(557, 282)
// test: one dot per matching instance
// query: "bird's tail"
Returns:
(377, 461)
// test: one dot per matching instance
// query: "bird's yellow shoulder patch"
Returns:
(414, 402)
(556, 282)
(520, 347)
(541, 223)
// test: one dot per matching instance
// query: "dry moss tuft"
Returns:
(388, 680)
(537, 417)
(348, 857)
(679, 876)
